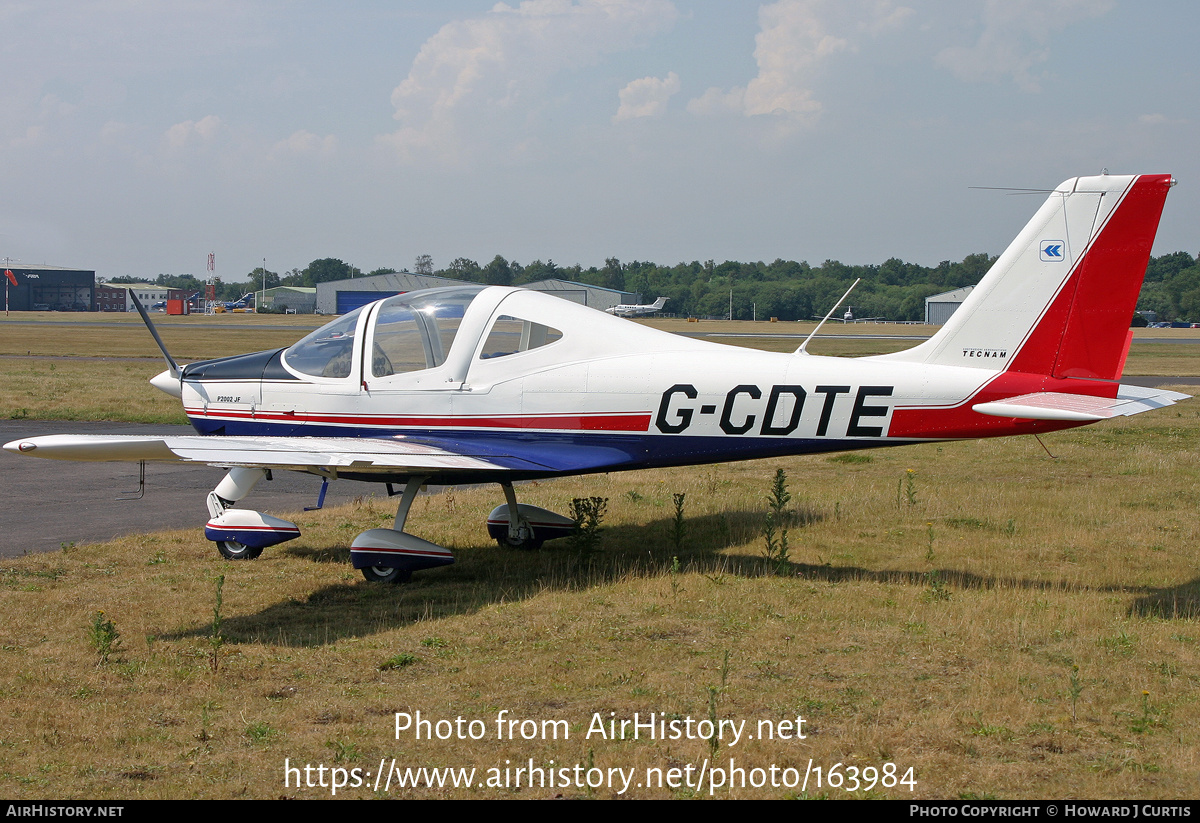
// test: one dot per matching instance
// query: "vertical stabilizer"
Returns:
(1060, 299)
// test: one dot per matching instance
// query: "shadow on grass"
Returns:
(486, 575)
(1171, 603)
(1175, 602)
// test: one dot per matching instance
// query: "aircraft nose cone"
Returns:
(164, 381)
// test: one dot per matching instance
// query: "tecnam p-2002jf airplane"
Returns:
(491, 384)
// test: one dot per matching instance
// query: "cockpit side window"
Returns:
(399, 344)
(510, 335)
(415, 332)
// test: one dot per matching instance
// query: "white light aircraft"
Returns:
(637, 309)
(492, 384)
(849, 317)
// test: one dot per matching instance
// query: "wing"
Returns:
(361, 456)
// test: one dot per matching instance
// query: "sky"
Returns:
(138, 137)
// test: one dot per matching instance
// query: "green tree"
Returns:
(258, 282)
(462, 268)
(613, 274)
(537, 270)
(328, 269)
(498, 272)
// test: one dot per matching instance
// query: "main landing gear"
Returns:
(382, 555)
(531, 527)
(392, 555)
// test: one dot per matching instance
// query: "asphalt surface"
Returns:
(52, 502)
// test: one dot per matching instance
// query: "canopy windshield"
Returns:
(329, 351)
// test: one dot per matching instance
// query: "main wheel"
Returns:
(386, 574)
(233, 550)
(525, 544)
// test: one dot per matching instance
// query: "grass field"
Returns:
(1005, 623)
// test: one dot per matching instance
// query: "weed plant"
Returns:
(678, 529)
(775, 529)
(588, 513)
(104, 637)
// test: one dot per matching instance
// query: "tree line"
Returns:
(785, 289)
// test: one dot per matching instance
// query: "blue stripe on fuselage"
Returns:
(555, 453)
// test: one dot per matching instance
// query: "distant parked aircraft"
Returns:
(632, 310)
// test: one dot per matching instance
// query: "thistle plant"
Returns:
(104, 637)
(1074, 689)
(587, 512)
(216, 640)
(775, 532)
(678, 528)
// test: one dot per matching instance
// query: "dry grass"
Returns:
(83, 389)
(197, 340)
(1007, 655)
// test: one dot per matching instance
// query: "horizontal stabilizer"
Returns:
(1080, 407)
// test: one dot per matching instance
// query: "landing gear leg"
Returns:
(392, 555)
(523, 526)
(241, 534)
(520, 533)
(411, 490)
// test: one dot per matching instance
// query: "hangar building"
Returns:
(298, 299)
(939, 307)
(51, 288)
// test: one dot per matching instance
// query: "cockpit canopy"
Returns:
(414, 332)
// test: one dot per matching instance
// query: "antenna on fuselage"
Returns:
(802, 349)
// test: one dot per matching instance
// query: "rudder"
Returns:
(1059, 301)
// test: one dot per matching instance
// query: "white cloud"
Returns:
(646, 97)
(795, 37)
(792, 40)
(497, 66)
(193, 131)
(304, 144)
(1015, 39)
(716, 101)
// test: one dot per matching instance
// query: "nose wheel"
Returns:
(386, 574)
(242, 534)
(233, 550)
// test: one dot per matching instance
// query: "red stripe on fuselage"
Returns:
(960, 421)
(634, 421)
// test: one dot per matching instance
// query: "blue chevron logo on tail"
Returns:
(1052, 251)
